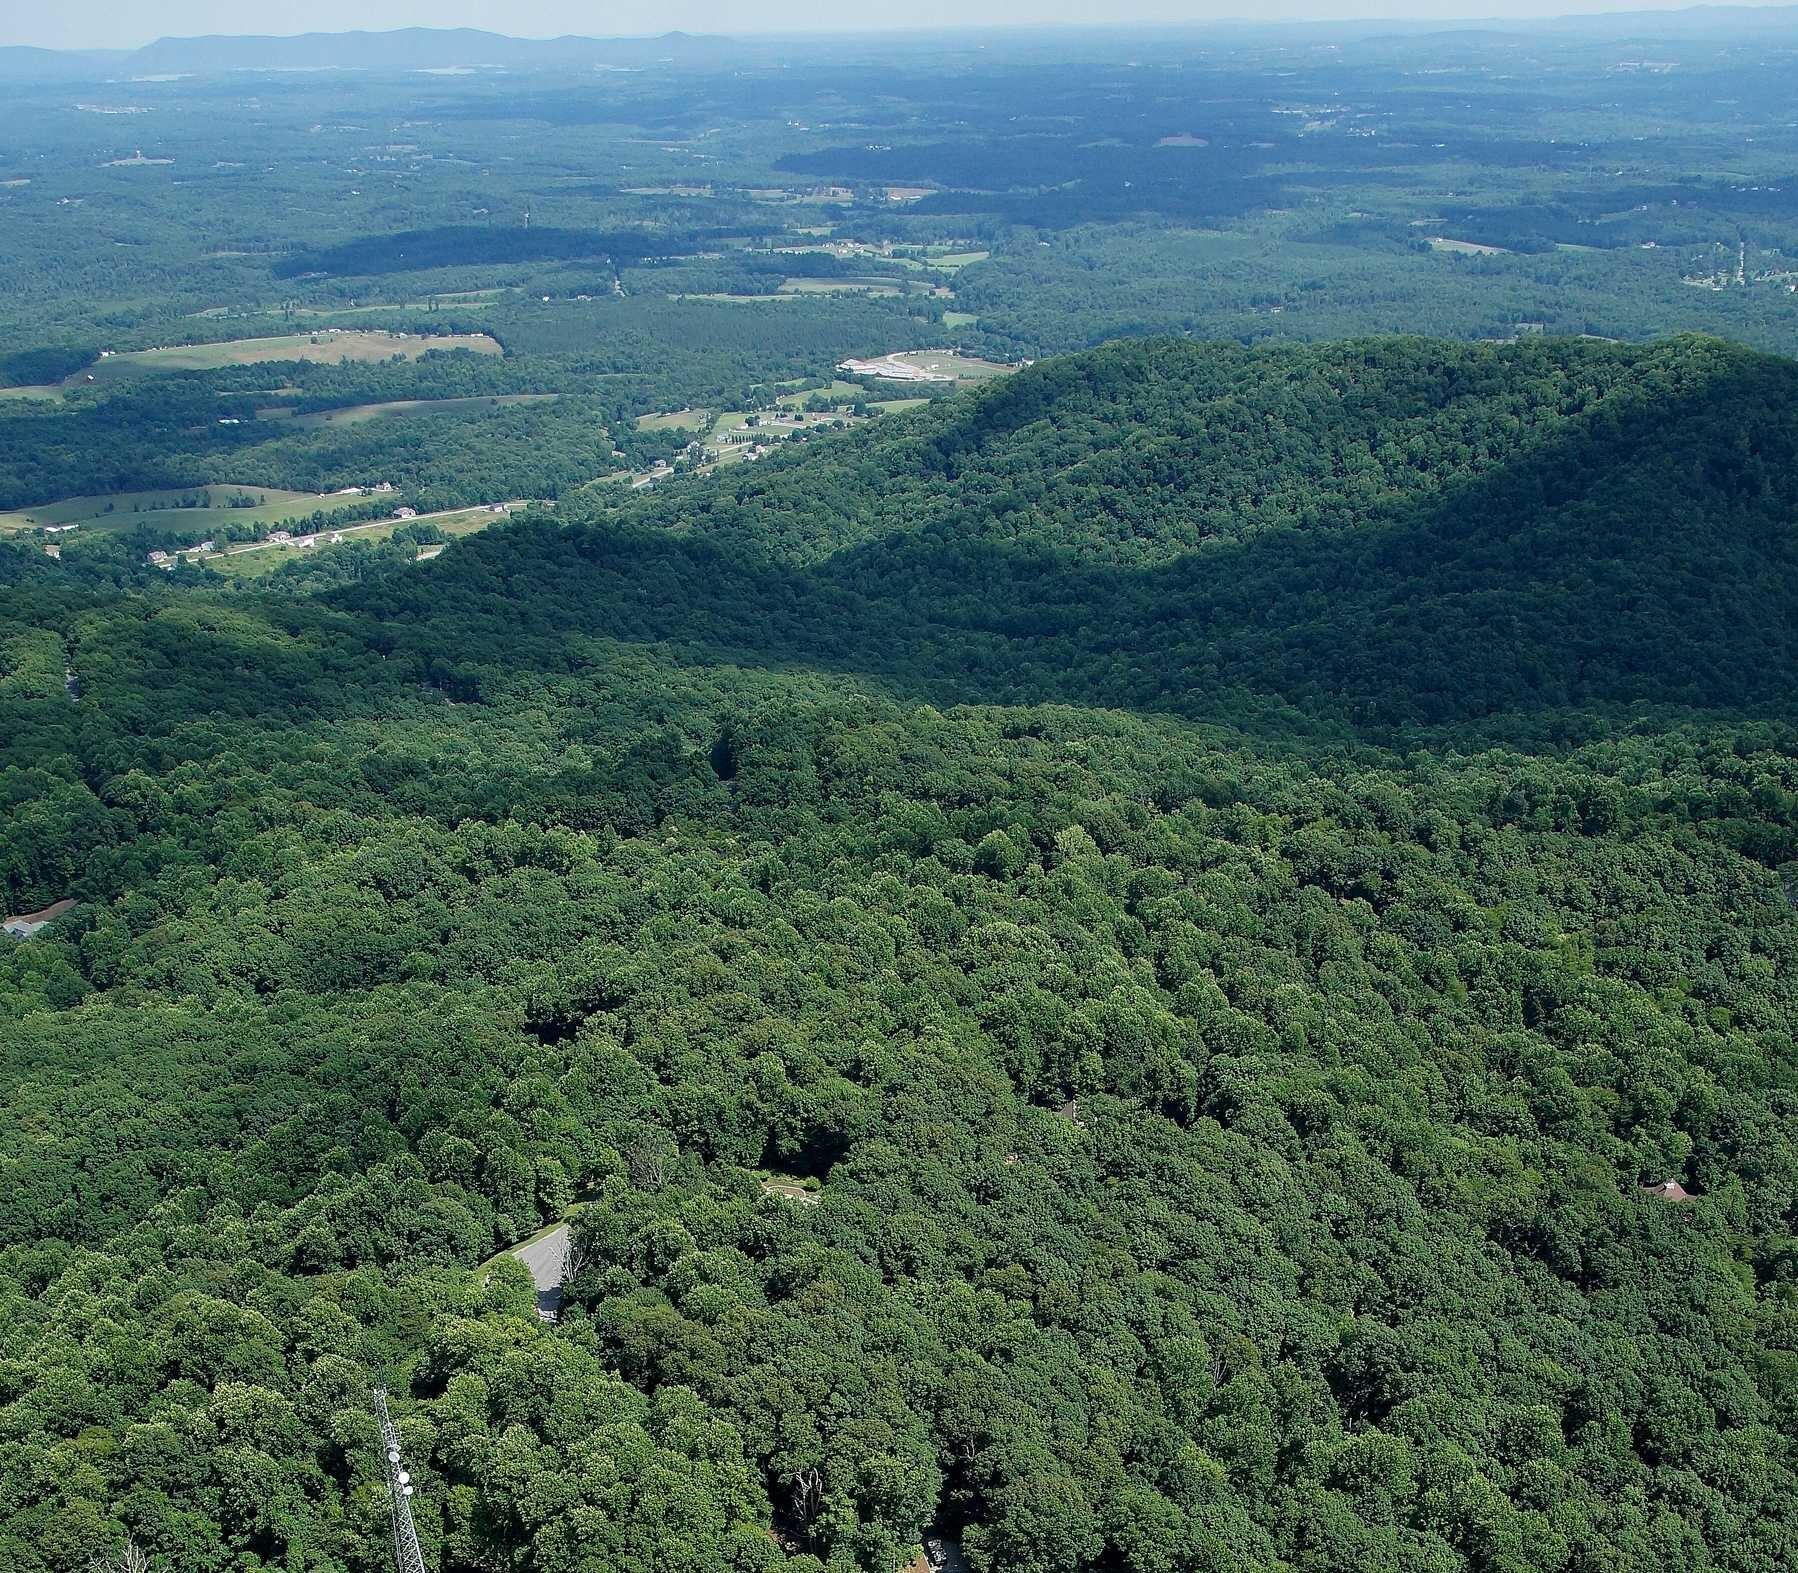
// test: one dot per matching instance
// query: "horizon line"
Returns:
(1444, 24)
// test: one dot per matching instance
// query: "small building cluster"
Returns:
(26, 924)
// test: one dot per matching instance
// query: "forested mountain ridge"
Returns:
(1139, 452)
(1388, 531)
(1226, 1102)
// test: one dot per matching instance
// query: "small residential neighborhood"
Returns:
(169, 560)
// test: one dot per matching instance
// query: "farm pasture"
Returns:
(168, 509)
(328, 345)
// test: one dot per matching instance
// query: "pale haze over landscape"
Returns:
(102, 24)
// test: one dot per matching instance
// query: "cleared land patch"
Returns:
(674, 420)
(1465, 248)
(329, 345)
(116, 511)
(858, 250)
(266, 559)
(738, 300)
(839, 392)
(952, 260)
(356, 414)
(926, 366)
(855, 286)
(788, 1189)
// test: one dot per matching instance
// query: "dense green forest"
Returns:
(1212, 877)
(1378, 532)
(1107, 971)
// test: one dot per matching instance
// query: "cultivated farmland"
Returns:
(328, 345)
(196, 507)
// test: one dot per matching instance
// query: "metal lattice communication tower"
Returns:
(407, 1558)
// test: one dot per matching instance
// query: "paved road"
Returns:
(328, 530)
(545, 1257)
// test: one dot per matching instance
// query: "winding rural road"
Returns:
(546, 1256)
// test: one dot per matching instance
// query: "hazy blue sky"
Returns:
(116, 23)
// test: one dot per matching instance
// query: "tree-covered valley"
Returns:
(1103, 970)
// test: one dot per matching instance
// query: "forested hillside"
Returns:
(1101, 968)
(1384, 531)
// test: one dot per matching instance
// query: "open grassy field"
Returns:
(126, 510)
(738, 300)
(952, 260)
(325, 313)
(356, 414)
(959, 319)
(839, 392)
(1464, 248)
(462, 297)
(675, 420)
(473, 299)
(855, 286)
(327, 344)
(266, 559)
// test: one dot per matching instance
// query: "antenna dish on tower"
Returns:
(407, 1557)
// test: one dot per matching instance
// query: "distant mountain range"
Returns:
(439, 49)
(1681, 23)
(408, 48)
(21, 62)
